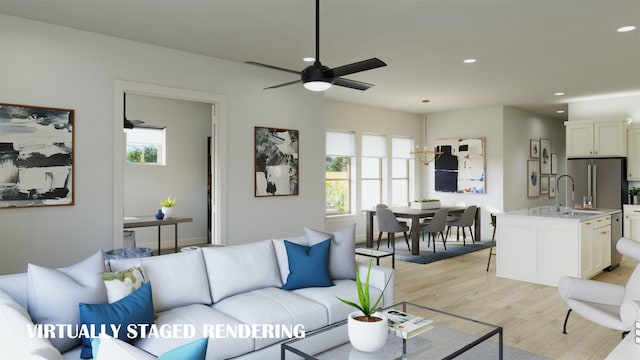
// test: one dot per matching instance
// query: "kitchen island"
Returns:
(542, 244)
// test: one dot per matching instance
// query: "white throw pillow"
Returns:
(241, 268)
(14, 320)
(342, 261)
(111, 348)
(178, 279)
(54, 295)
(119, 284)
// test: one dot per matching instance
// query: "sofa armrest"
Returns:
(378, 279)
(572, 288)
(630, 313)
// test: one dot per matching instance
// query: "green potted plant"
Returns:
(167, 206)
(634, 193)
(367, 327)
(422, 204)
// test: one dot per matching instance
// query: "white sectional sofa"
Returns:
(231, 285)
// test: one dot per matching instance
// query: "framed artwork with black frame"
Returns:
(276, 162)
(36, 156)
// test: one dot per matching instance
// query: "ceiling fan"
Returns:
(318, 77)
(129, 124)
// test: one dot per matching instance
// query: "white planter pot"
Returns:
(167, 211)
(367, 336)
(425, 205)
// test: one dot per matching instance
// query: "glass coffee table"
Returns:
(451, 336)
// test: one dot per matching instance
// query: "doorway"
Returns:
(216, 162)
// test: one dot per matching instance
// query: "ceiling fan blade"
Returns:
(353, 84)
(272, 67)
(281, 85)
(359, 66)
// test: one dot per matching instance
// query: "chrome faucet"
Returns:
(573, 189)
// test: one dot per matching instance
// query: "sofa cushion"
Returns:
(202, 318)
(134, 309)
(281, 254)
(54, 295)
(106, 347)
(240, 268)
(119, 284)
(342, 263)
(16, 286)
(336, 310)
(274, 306)
(308, 265)
(17, 344)
(178, 279)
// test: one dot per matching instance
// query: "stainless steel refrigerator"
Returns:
(605, 182)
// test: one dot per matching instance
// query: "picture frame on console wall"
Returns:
(552, 187)
(545, 156)
(544, 184)
(37, 153)
(554, 163)
(533, 178)
(534, 149)
(276, 162)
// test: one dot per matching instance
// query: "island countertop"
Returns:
(563, 213)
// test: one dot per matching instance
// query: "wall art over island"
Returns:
(460, 168)
(276, 162)
(36, 156)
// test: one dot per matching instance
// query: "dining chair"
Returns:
(465, 220)
(435, 226)
(493, 239)
(403, 223)
(388, 223)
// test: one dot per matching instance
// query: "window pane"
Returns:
(399, 168)
(337, 197)
(374, 145)
(146, 145)
(370, 194)
(401, 147)
(370, 168)
(400, 192)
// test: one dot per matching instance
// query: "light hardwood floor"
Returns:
(531, 315)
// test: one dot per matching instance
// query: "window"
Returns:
(401, 168)
(146, 145)
(373, 154)
(339, 158)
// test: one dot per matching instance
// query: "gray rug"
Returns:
(454, 248)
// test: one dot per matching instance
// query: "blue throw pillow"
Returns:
(308, 265)
(136, 308)
(196, 350)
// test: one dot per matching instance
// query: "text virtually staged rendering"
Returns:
(320, 180)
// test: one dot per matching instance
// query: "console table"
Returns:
(147, 221)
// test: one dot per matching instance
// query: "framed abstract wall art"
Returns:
(461, 167)
(545, 156)
(276, 162)
(533, 178)
(36, 156)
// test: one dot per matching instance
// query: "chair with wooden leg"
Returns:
(493, 239)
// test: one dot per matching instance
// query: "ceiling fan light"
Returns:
(317, 85)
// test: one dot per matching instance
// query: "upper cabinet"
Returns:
(633, 154)
(596, 139)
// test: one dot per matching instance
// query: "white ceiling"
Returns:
(526, 49)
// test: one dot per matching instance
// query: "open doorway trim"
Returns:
(219, 123)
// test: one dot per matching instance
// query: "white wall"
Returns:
(609, 108)
(368, 120)
(47, 65)
(188, 124)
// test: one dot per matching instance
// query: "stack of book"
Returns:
(406, 325)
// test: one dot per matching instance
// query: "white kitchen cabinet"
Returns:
(595, 139)
(631, 222)
(542, 249)
(633, 154)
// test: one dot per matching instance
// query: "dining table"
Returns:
(416, 215)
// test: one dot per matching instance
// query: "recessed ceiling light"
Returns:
(469, 61)
(559, 93)
(308, 59)
(626, 28)
(560, 111)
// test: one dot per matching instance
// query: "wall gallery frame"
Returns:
(461, 167)
(552, 186)
(36, 156)
(534, 149)
(276, 162)
(533, 178)
(545, 156)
